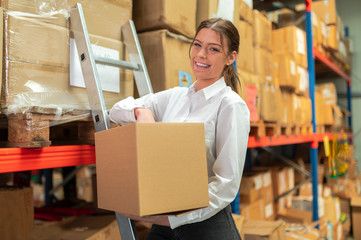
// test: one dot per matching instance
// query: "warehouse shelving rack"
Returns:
(19, 159)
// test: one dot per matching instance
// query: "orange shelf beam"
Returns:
(318, 55)
(23, 159)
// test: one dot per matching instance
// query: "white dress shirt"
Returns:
(227, 123)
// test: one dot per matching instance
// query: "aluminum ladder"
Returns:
(92, 82)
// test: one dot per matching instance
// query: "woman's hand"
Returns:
(143, 115)
(159, 220)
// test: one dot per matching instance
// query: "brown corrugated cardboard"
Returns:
(263, 65)
(142, 170)
(17, 213)
(356, 216)
(205, 9)
(167, 59)
(286, 108)
(262, 31)
(112, 13)
(270, 112)
(326, 10)
(245, 12)
(266, 230)
(332, 37)
(333, 212)
(177, 16)
(104, 17)
(295, 216)
(291, 40)
(302, 81)
(41, 51)
(245, 57)
(251, 187)
(287, 70)
(253, 211)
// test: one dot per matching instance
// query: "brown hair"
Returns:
(227, 31)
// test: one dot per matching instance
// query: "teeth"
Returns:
(201, 65)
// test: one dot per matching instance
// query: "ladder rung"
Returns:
(116, 63)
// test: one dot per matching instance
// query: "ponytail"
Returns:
(231, 78)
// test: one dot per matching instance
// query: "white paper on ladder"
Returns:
(109, 76)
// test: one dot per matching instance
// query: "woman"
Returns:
(212, 100)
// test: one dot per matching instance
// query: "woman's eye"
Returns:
(197, 44)
(214, 49)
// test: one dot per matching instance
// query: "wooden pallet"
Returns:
(262, 129)
(286, 129)
(42, 127)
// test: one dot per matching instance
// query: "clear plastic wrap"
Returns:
(36, 63)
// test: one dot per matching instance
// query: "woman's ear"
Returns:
(232, 57)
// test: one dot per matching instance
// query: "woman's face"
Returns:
(209, 56)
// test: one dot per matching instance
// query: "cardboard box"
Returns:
(167, 59)
(251, 187)
(328, 92)
(326, 10)
(37, 59)
(304, 233)
(245, 12)
(295, 216)
(263, 65)
(251, 93)
(270, 94)
(287, 107)
(209, 8)
(332, 37)
(88, 227)
(306, 204)
(178, 17)
(245, 57)
(253, 211)
(17, 213)
(291, 40)
(333, 212)
(287, 70)
(262, 31)
(112, 13)
(269, 213)
(141, 170)
(356, 216)
(267, 230)
(302, 81)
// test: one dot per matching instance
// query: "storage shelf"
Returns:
(24, 159)
(332, 67)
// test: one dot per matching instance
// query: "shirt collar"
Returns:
(211, 90)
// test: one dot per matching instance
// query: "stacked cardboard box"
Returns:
(250, 92)
(165, 34)
(327, 110)
(256, 196)
(36, 54)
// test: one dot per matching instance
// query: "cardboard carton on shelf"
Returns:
(245, 12)
(253, 211)
(291, 40)
(251, 187)
(167, 59)
(262, 31)
(250, 93)
(178, 17)
(269, 94)
(245, 57)
(144, 169)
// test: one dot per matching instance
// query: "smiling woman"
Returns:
(211, 100)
